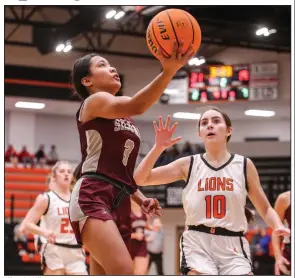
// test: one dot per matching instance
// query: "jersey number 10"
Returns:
(217, 204)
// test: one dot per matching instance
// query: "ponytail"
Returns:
(249, 215)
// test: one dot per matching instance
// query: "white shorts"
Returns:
(214, 254)
(58, 257)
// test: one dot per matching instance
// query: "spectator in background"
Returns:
(263, 244)
(21, 240)
(25, 157)
(171, 154)
(40, 156)
(254, 245)
(155, 244)
(10, 155)
(187, 149)
(52, 156)
(200, 149)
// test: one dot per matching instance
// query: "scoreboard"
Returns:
(224, 83)
(219, 83)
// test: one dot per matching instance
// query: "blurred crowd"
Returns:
(39, 158)
(177, 151)
(260, 240)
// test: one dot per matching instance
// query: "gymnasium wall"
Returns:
(139, 72)
(35, 129)
(6, 126)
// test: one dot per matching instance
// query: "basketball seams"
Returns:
(183, 26)
(172, 27)
(193, 40)
(165, 52)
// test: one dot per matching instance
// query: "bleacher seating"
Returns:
(22, 186)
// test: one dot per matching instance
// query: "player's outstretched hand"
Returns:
(151, 206)
(281, 266)
(50, 236)
(164, 134)
(178, 57)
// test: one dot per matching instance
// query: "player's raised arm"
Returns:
(104, 104)
(145, 174)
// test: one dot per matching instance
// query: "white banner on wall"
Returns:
(264, 81)
(176, 92)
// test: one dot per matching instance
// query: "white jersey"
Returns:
(56, 218)
(216, 197)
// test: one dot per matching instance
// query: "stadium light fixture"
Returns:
(119, 15)
(187, 115)
(110, 14)
(265, 32)
(29, 105)
(196, 61)
(60, 47)
(259, 113)
(67, 48)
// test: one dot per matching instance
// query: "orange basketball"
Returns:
(172, 25)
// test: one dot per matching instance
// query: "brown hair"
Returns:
(224, 116)
(249, 215)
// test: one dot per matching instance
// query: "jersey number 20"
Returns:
(129, 145)
(217, 204)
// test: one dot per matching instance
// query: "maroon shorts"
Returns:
(138, 248)
(95, 198)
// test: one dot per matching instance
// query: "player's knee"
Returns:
(121, 267)
(125, 269)
(139, 271)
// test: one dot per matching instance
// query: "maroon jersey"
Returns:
(138, 248)
(109, 147)
(138, 223)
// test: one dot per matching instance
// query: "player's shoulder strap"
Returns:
(193, 160)
(78, 114)
(48, 196)
(245, 172)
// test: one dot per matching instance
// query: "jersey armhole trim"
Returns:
(245, 173)
(81, 107)
(189, 170)
(48, 203)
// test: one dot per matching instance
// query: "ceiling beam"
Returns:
(49, 25)
(85, 50)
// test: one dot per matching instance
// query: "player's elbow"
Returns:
(138, 107)
(138, 110)
(139, 181)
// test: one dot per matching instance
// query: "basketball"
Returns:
(169, 26)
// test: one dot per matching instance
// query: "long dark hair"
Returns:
(81, 68)
(249, 215)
